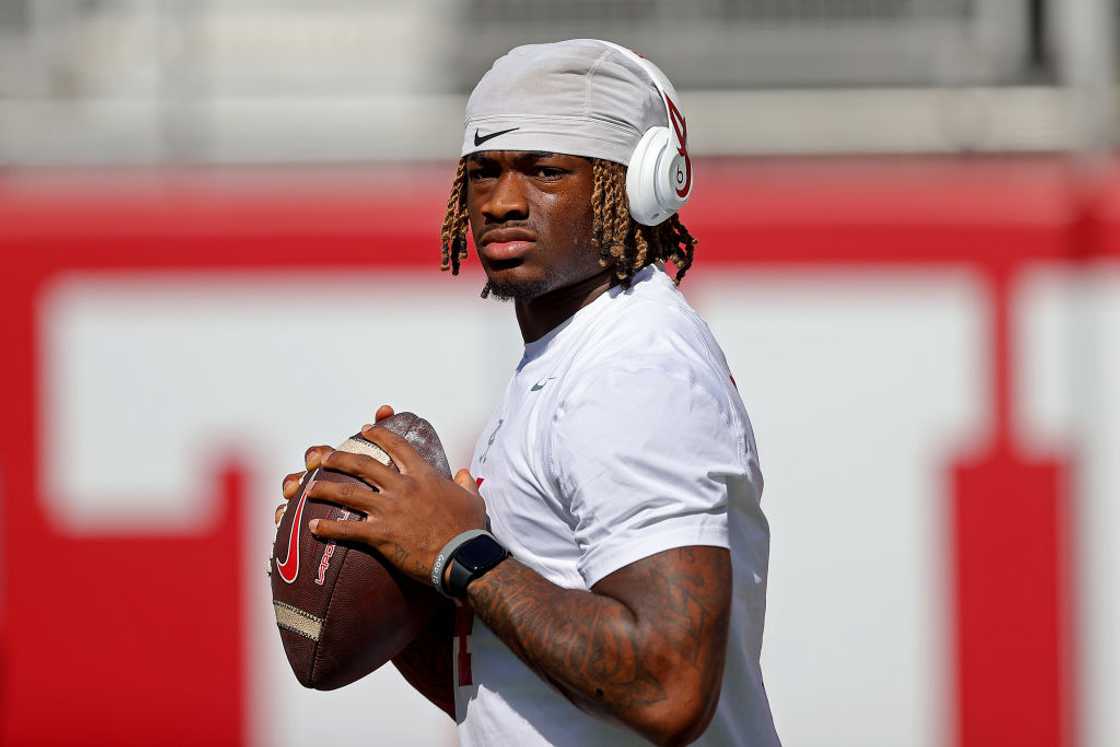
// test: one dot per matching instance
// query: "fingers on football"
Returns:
(347, 531)
(385, 411)
(349, 494)
(280, 512)
(466, 481)
(314, 456)
(365, 468)
(401, 451)
(291, 484)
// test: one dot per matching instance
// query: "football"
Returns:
(342, 610)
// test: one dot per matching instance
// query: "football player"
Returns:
(606, 547)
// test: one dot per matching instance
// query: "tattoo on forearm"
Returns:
(617, 649)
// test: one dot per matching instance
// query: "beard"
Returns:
(524, 290)
(513, 291)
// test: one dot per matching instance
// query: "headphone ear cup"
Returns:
(648, 169)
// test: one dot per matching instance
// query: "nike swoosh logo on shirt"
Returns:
(540, 384)
(480, 139)
(289, 567)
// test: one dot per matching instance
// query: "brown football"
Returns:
(342, 610)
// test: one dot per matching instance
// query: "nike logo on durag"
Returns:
(480, 139)
(289, 567)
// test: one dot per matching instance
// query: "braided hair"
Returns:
(624, 245)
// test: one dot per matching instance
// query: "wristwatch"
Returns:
(472, 559)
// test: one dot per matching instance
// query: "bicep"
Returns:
(681, 599)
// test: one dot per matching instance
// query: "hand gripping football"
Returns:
(342, 610)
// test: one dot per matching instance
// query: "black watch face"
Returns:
(481, 552)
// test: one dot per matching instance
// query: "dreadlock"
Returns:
(456, 223)
(624, 245)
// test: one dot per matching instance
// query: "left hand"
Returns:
(410, 515)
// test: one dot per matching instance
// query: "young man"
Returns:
(620, 590)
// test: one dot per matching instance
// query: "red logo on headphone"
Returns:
(684, 179)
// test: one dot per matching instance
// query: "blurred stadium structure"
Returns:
(228, 81)
(925, 325)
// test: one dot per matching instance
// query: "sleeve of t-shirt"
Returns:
(644, 457)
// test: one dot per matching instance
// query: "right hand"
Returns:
(292, 481)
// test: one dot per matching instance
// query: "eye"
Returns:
(549, 172)
(478, 172)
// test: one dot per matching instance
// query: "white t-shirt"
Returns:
(621, 435)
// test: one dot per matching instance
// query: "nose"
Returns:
(506, 201)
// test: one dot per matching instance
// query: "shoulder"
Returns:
(650, 366)
(651, 340)
(662, 382)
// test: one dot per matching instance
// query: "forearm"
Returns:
(590, 646)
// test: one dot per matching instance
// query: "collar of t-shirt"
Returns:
(571, 327)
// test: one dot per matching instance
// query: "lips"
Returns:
(502, 251)
(504, 244)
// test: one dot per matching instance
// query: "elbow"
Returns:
(683, 717)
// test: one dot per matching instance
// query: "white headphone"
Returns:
(659, 178)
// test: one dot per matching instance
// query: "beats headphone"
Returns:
(659, 178)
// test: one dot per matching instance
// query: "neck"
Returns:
(539, 316)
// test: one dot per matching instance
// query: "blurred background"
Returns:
(219, 231)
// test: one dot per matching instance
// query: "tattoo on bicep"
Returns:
(607, 653)
(688, 596)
